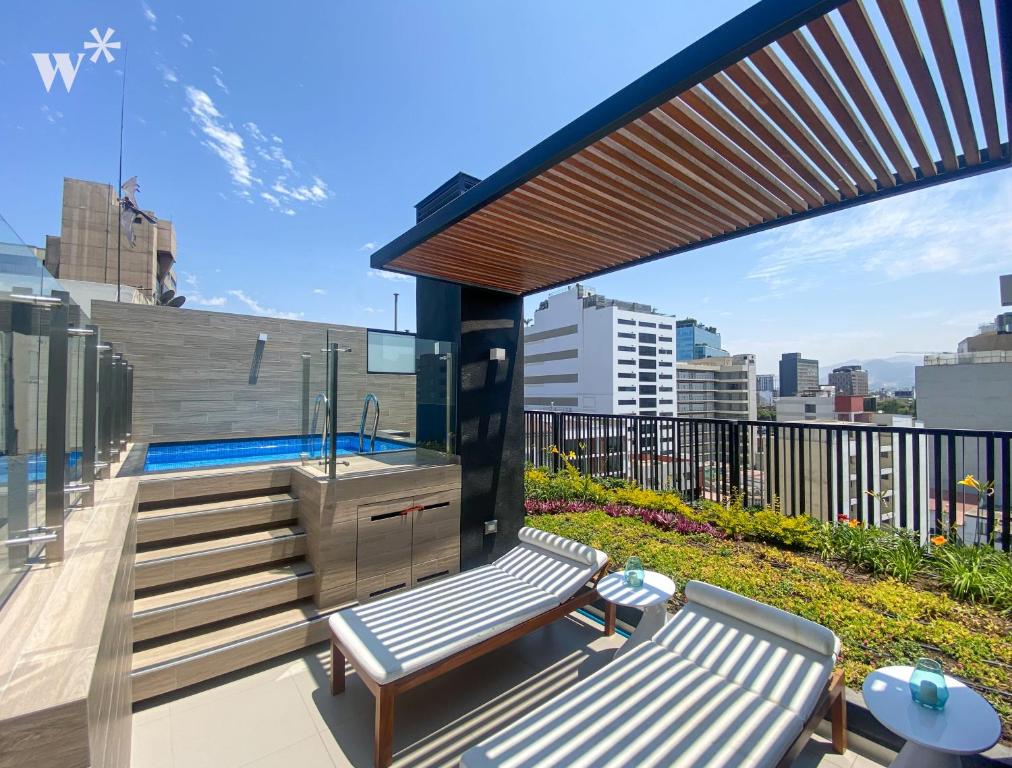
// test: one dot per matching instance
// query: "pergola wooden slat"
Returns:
(773, 117)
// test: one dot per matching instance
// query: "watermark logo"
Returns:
(51, 64)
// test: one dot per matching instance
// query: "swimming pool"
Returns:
(214, 453)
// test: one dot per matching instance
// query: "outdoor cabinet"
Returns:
(407, 541)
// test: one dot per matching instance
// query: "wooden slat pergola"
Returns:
(792, 109)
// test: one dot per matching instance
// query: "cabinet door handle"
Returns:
(412, 508)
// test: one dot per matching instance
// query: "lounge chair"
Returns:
(727, 681)
(401, 641)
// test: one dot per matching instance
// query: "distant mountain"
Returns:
(896, 372)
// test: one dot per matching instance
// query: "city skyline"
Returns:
(223, 131)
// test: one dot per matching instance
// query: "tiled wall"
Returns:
(192, 373)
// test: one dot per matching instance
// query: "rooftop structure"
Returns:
(797, 374)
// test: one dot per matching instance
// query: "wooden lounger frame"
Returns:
(385, 693)
(833, 703)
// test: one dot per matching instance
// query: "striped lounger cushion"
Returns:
(726, 682)
(395, 636)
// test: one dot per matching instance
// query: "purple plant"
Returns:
(666, 521)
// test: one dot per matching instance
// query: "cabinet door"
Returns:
(384, 538)
(436, 529)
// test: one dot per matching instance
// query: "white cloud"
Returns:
(186, 41)
(219, 136)
(220, 83)
(316, 192)
(193, 294)
(168, 74)
(150, 16)
(936, 230)
(320, 291)
(368, 247)
(51, 115)
(259, 309)
(254, 130)
(372, 310)
(394, 276)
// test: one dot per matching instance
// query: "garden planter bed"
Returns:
(880, 621)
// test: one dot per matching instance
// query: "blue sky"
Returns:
(286, 142)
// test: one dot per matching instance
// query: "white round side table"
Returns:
(652, 598)
(968, 724)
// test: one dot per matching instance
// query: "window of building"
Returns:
(665, 351)
(648, 389)
(626, 349)
(644, 324)
(644, 376)
(648, 413)
(648, 402)
(627, 362)
(663, 375)
(665, 338)
(388, 352)
(809, 408)
(648, 338)
(665, 389)
(666, 402)
(665, 364)
(667, 413)
(624, 321)
(627, 389)
(648, 351)
(627, 402)
(648, 364)
(624, 335)
(627, 375)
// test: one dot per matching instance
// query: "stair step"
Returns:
(199, 519)
(220, 598)
(194, 560)
(200, 655)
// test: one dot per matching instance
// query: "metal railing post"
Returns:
(89, 441)
(56, 429)
(332, 448)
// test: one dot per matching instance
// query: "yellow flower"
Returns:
(969, 480)
(853, 523)
(554, 449)
(938, 540)
(571, 456)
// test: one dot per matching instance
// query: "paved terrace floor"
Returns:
(282, 714)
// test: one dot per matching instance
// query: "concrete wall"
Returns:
(192, 374)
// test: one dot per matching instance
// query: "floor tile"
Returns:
(239, 727)
(151, 743)
(308, 753)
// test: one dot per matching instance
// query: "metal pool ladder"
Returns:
(321, 398)
(375, 424)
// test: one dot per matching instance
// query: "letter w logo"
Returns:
(49, 63)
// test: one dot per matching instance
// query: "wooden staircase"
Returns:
(221, 582)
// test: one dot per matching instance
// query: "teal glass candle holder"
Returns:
(634, 573)
(927, 685)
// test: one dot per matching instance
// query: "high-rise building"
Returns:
(90, 264)
(849, 380)
(695, 341)
(717, 387)
(587, 353)
(797, 374)
(765, 388)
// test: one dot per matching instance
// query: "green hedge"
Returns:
(880, 621)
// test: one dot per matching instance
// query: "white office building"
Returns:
(586, 353)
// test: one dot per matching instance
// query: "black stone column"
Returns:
(490, 408)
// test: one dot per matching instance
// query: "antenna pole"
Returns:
(119, 189)
(395, 311)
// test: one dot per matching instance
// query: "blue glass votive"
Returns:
(634, 572)
(927, 685)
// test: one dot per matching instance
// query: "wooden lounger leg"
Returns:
(610, 616)
(838, 717)
(336, 669)
(383, 741)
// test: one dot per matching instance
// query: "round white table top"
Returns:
(657, 588)
(966, 726)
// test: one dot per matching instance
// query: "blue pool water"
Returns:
(214, 453)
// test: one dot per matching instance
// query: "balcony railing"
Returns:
(901, 476)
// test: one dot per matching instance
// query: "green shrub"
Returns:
(766, 524)
(969, 573)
